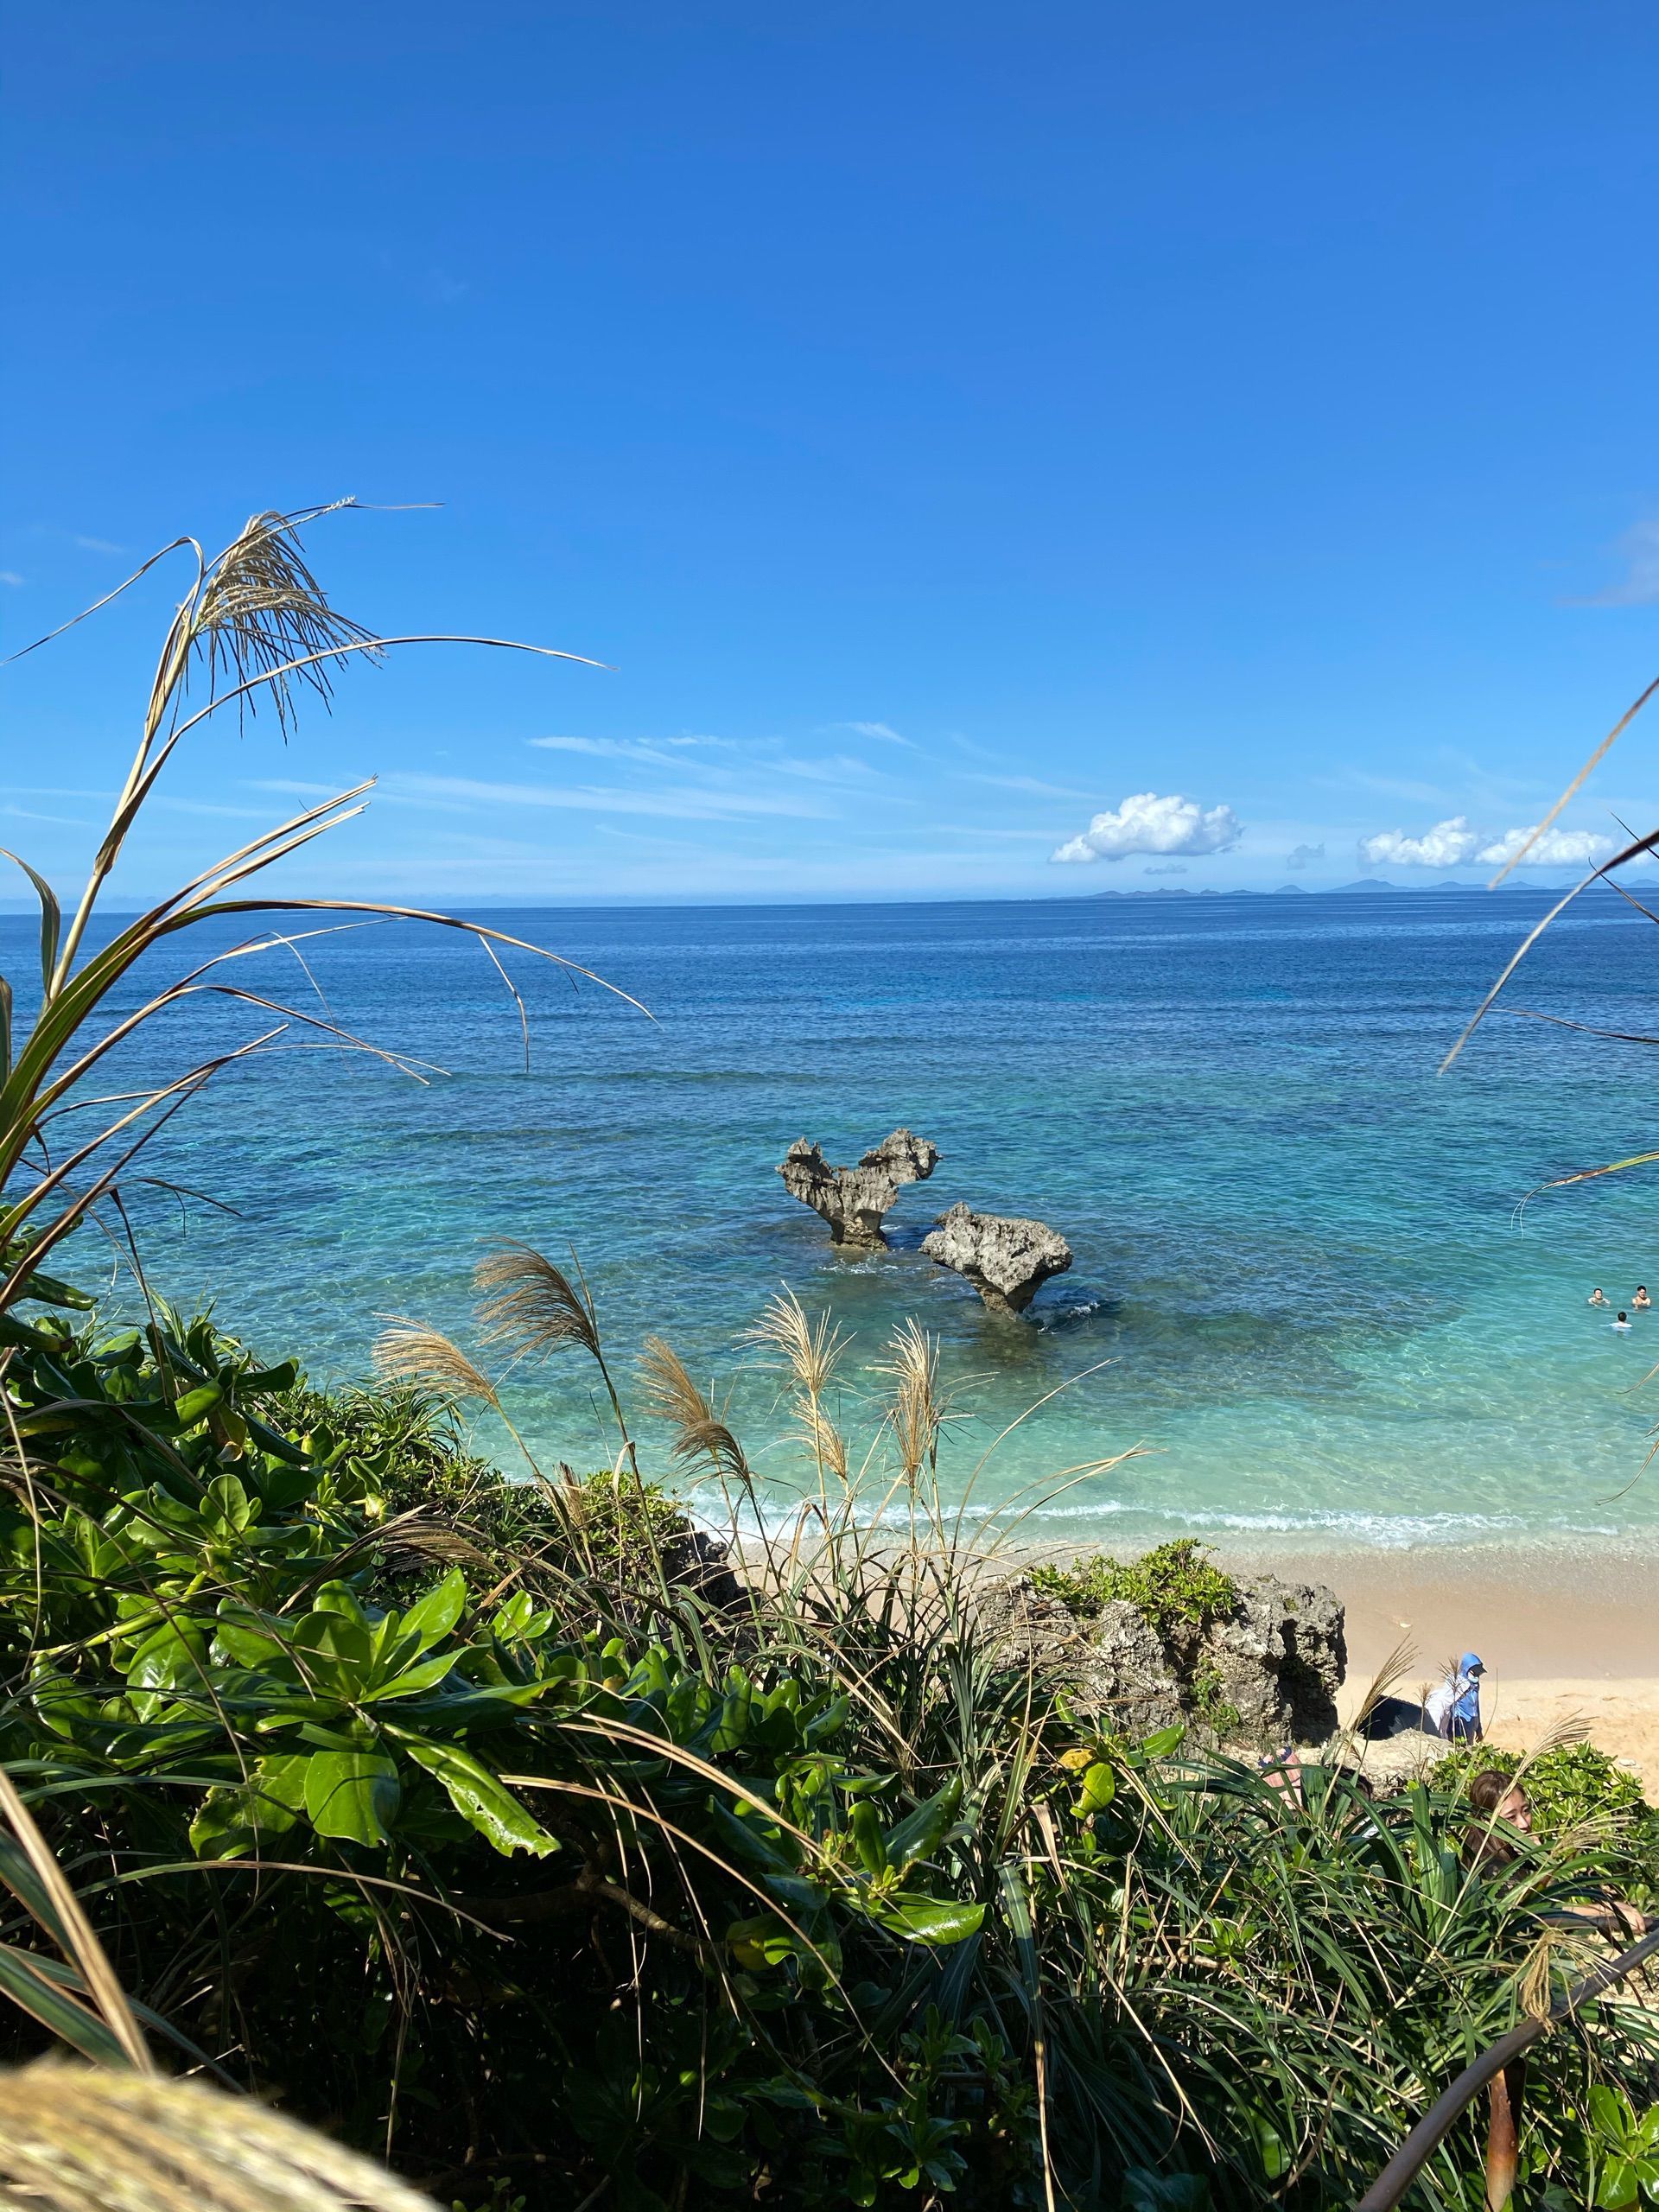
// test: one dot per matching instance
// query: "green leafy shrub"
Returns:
(1206, 1694)
(1568, 1786)
(556, 1888)
(1179, 1594)
(1174, 1587)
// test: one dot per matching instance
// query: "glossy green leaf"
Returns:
(414, 1681)
(352, 1794)
(196, 1404)
(867, 1839)
(920, 1834)
(753, 1841)
(760, 1942)
(926, 1920)
(480, 1796)
(234, 1821)
(282, 1377)
(437, 1612)
(1095, 1790)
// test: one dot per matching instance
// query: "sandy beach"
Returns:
(1568, 1641)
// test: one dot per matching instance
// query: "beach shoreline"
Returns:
(1530, 1610)
(1570, 1638)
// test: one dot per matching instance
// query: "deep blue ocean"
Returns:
(1301, 1253)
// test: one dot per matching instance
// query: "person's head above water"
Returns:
(1597, 1296)
(1621, 1312)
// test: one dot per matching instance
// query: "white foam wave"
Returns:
(1358, 1529)
(1384, 1531)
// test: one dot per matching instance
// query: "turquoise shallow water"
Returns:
(1298, 1251)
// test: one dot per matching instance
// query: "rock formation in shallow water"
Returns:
(854, 1200)
(1005, 1258)
(1267, 1670)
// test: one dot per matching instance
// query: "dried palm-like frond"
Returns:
(256, 619)
(404, 1548)
(1389, 1678)
(530, 1306)
(1554, 1946)
(915, 1410)
(101, 2027)
(80, 2140)
(261, 611)
(1570, 1728)
(674, 1397)
(409, 1351)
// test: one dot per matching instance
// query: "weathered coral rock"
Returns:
(1277, 1660)
(855, 1201)
(1004, 1257)
(1114, 1666)
(694, 1560)
(1280, 1656)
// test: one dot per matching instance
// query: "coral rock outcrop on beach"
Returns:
(1272, 1664)
(855, 1201)
(1003, 1256)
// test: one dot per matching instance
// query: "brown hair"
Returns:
(1486, 1793)
(1489, 1788)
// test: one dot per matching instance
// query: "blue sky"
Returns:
(954, 426)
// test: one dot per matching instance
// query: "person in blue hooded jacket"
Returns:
(1453, 1706)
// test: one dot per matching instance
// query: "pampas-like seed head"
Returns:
(261, 608)
(915, 1411)
(89, 2139)
(673, 1396)
(811, 1352)
(530, 1305)
(408, 1351)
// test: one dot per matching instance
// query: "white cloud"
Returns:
(1167, 867)
(680, 806)
(1448, 844)
(1639, 586)
(98, 545)
(833, 770)
(1556, 848)
(1147, 824)
(10, 576)
(28, 814)
(1301, 857)
(615, 748)
(881, 730)
(1034, 784)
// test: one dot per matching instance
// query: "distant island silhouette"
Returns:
(1368, 886)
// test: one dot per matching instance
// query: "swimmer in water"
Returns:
(1596, 1297)
(1621, 1322)
(1641, 1302)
